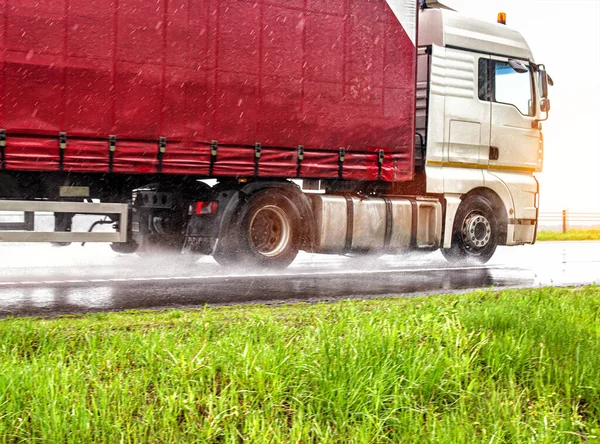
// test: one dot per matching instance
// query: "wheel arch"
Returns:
(237, 208)
(478, 226)
(497, 204)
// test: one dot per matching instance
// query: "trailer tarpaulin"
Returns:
(323, 88)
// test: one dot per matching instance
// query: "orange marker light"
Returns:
(502, 18)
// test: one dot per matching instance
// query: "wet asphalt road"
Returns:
(41, 280)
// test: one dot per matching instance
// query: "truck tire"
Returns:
(62, 222)
(475, 232)
(226, 251)
(128, 247)
(269, 235)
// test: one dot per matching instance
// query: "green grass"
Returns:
(570, 235)
(511, 366)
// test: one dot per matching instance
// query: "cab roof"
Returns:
(444, 27)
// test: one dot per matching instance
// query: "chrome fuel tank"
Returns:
(351, 223)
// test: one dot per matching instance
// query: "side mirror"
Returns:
(544, 79)
(545, 104)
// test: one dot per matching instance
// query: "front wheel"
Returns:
(475, 232)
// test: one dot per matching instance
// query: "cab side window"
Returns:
(500, 83)
(485, 80)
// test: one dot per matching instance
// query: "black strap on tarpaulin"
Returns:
(162, 148)
(3, 149)
(257, 152)
(299, 160)
(214, 147)
(62, 144)
(341, 160)
(112, 147)
(380, 164)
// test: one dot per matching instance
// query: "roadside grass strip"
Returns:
(510, 366)
(570, 235)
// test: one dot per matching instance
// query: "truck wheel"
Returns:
(226, 252)
(62, 222)
(128, 247)
(475, 232)
(167, 247)
(269, 235)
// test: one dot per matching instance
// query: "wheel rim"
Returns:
(270, 231)
(476, 232)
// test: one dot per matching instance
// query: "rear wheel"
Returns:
(268, 235)
(475, 232)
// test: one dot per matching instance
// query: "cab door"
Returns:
(514, 139)
(467, 117)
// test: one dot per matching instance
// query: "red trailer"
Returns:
(321, 89)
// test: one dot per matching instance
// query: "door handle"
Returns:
(494, 153)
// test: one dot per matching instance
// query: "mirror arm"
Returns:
(536, 122)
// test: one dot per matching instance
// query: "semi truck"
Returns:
(251, 130)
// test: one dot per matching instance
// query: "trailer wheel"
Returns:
(269, 235)
(475, 232)
(62, 222)
(128, 247)
(159, 245)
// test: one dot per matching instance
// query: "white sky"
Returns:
(565, 36)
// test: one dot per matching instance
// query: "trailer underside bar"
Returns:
(22, 232)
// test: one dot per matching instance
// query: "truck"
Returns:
(250, 130)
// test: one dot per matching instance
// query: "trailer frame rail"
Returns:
(24, 231)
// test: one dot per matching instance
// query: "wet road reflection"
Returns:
(96, 279)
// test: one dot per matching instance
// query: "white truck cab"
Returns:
(480, 102)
